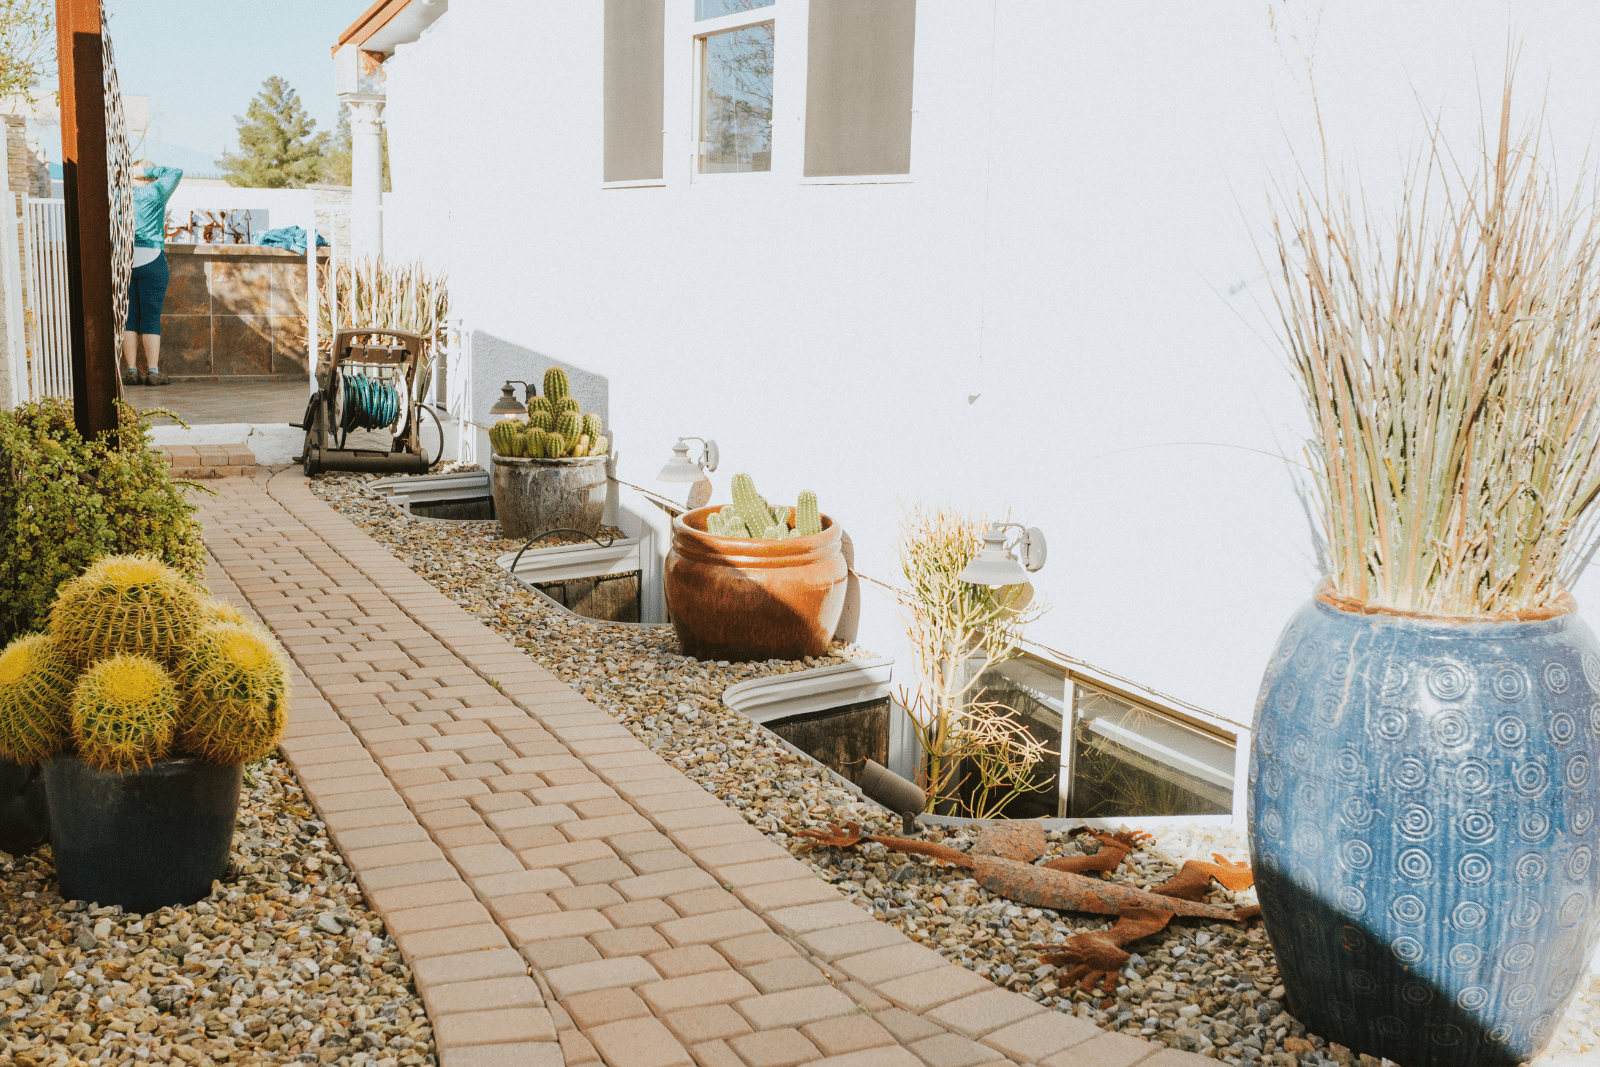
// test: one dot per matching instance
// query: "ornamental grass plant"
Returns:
(1449, 360)
(382, 293)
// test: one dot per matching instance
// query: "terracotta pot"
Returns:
(739, 599)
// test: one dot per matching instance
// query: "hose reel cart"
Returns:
(368, 385)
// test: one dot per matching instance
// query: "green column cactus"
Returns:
(533, 442)
(569, 425)
(600, 446)
(124, 713)
(555, 445)
(807, 519)
(502, 436)
(568, 403)
(538, 403)
(543, 420)
(592, 425)
(755, 512)
(132, 604)
(36, 683)
(236, 705)
(555, 385)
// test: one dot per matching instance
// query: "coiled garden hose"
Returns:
(367, 403)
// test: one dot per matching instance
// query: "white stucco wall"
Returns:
(1057, 316)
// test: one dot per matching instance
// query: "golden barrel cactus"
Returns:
(124, 713)
(36, 683)
(127, 604)
(237, 700)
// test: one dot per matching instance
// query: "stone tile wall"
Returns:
(234, 311)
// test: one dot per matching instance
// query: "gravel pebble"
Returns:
(283, 962)
(1207, 988)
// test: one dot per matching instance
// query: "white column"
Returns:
(366, 173)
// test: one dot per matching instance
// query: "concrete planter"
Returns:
(535, 495)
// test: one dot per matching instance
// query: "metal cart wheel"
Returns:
(311, 451)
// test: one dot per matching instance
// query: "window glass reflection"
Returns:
(736, 101)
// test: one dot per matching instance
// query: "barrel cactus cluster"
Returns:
(750, 516)
(138, 664)
(556, 428)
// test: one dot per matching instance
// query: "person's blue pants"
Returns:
(146, 292)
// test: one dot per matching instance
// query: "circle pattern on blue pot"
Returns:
(1475, 826)
(1475, 868)
(1288, 695)
(1591, 670)
(1526, 913)
(1415, 864)
(1534, 825)
(1308, 840)
(1363, 983)
(1518, 957)
(1300, 750)
(1499, 1035)
(1531, 868)
(1409, 773)
(1556, 678)
(1452, 728)
(1531, 779)
(1415, 822)
(1272, 823)
(1357, 812)
(1465, 956)
(1582, 818)
(1391, 1026)
(1469, 915)
(1341, 667)
(1578, 864)
(1577, 772)
(1357, 855)
(1416, 993)
(1394, 678)
(1448, 681)
(1472, 998)
(1594, 719)
(1474, 776)
(1510, 684)
(1392, 723)
(1573, 909)
(1562, 728)
(1310, 795)
(1407, 949)
(1329, 709)
(1272, 781)
(1521, 995)
(1447, 1035)
(1348, 764)
(1351, 937)
(1352, 901)
(1510, 730)
(1408, 909)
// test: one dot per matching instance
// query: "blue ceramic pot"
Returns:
(1422, 828)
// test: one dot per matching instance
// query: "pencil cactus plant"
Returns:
(751, 517)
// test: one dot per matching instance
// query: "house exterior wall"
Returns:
(1061, 315)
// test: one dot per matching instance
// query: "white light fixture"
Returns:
(995, 566)
(680, 468)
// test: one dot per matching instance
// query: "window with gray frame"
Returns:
(634, 49)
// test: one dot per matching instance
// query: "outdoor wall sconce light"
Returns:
(508, 406)
(680, 468)
(995, 566)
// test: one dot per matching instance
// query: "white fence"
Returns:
(49, 345)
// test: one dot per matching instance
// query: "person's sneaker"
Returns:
(155, 377)
(130, 376)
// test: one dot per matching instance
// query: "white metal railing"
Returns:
(44, 237)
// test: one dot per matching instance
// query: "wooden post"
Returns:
(96, 378)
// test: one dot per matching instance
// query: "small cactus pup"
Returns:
(600, 446)
(236, 702)
(544, 420)
(748, 505)
(533, 442)
(124, 713)
(807, 519)
(222, 611)
(592, 425)
(36, 683)
(132, 604)
(502, 436)
(582, 447)
(555, 386)
(555, 445)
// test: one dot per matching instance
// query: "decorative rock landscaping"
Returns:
(283, 962)
(1203, 988)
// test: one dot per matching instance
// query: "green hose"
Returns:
(369, 404)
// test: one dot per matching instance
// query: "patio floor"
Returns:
(562, 895)
(206, 403)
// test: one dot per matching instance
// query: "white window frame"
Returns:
(786, 17)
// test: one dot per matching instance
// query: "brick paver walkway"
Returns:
(562, 895)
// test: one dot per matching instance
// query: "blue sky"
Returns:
(200, 61)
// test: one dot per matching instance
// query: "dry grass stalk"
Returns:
(1448, 362)
(957, 631)
(377, 292)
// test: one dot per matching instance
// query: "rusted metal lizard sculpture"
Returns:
(1002, 862)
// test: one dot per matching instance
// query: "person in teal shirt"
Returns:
(148, 288)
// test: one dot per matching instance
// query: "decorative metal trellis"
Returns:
(119, 181)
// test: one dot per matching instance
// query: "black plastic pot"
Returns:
(24, 817)
(143, 840)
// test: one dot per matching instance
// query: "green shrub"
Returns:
(64, 502)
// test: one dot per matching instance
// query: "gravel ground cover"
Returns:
(281, 963)
(1210, 988)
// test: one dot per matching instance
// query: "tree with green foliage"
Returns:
(27, 45)
(279, 147)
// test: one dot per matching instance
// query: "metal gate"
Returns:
(49, 324)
